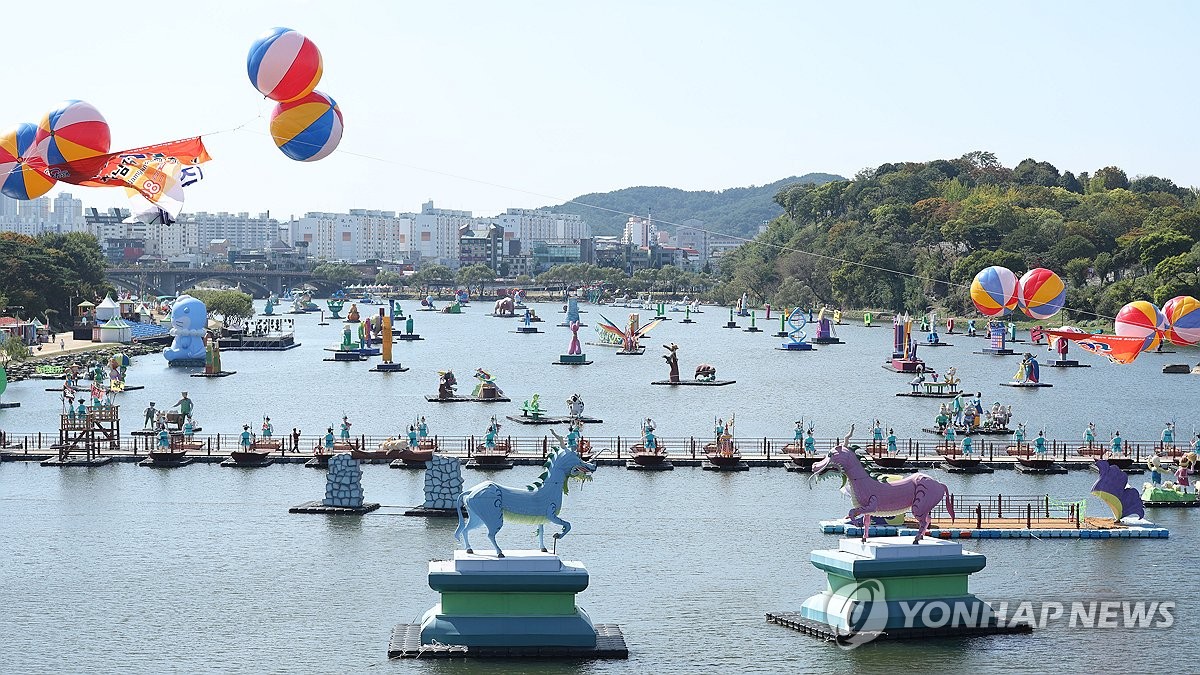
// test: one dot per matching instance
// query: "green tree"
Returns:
(1158, 246)
(232, 306)
(1070, 183)
(13, 349)
(1111, 178)
(432, 276)
(477, 275)
(340, 274)
(389, 278)
(1071, 247)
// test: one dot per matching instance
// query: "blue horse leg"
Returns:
(566, 527)
(464, 529)
(542, 536)
(493, 528)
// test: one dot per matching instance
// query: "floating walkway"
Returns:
(1133, 532)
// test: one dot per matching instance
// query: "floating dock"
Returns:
(318, 507)
(406, 644)
(965, 532)
(434, 398)
(551, 419)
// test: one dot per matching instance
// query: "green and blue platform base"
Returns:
(520, 605)
(892, 588)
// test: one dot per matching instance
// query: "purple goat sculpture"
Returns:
(917, 492)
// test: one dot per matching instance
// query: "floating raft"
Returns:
(318, 507)
(979, 431)
(1067, 363)
(977, 468)
(1136, 532)
(389, 368)
(165, 464)
(823, 631)
(132, 388)
(551, 419)
(796, 347)
(248, 465)
(709, 466)
(409, 337)
(922, 394)
(1025, 385)
(421, 511)
(694, 383)
(664, 465)
(1176, 505)
(76, 461)
(1174, 368)
(1050, 470)
(14, 404)
(434, 398)
(996, 352)
(935, 344)
(490, 464)
(908, 368)
(406, 644)
(223, 373)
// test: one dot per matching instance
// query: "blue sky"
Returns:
(486, 105)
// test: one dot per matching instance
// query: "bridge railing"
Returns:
(618, 447)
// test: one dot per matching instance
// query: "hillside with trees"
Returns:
(912, 235)
(736, 211)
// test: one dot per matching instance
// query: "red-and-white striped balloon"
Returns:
(284, 65)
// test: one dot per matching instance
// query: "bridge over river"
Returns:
(170, 281)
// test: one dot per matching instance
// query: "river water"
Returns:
(202, 568)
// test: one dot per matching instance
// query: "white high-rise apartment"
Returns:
(530, 225)
(359, 235)
(243, 232)
(435, 232)
(68, 213)
(640, 232)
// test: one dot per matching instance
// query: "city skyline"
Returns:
(555, 101)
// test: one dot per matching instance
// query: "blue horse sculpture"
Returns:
(488, 504)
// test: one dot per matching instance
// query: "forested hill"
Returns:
(737, 211)
(1111, 237)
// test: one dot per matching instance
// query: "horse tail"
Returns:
(458, 508)
(950, 504)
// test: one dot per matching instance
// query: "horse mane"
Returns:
(541, 479)
(868, 462)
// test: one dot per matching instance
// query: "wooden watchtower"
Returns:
(98, 429)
